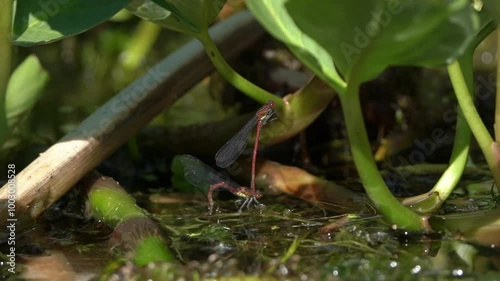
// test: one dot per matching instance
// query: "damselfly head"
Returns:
(266, 113)
(257, 194)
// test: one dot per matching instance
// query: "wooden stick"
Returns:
(55, 171)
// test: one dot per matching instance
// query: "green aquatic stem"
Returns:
(461, 145)
(456, 71)
(378, 192)
(111, 204)
(451, 176)
(458, 160)
(291, 250)
(251, 90)
(152, 249)
(288, 254)
(6, 55)
(459, 155)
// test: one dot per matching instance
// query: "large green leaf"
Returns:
(275, 18)
(38, 22)
(25, 86)
(186, 16)
(368, 36)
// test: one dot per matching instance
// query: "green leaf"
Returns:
(275, 18)
(493, 8)
(367, 36)
(38, 22)
(24, 88)
(186, 16)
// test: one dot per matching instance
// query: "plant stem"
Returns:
(291, 250)
(461, 144)
(393, 211)
(478, 128)
(433, 199)
(450, 178)
(110, 203)
(253, 91)
(6, 55)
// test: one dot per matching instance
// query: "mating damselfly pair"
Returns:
(199, 174)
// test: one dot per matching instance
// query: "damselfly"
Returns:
(230, 151)
(199, 174)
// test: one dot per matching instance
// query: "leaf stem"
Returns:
(392, 210)
(464, 97)
(459, 155)
(451, 176)
(460, 152)
(248, 88)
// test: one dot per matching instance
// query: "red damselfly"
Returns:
(199, 174)
(230, 151)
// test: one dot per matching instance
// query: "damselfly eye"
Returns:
(271, 104)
